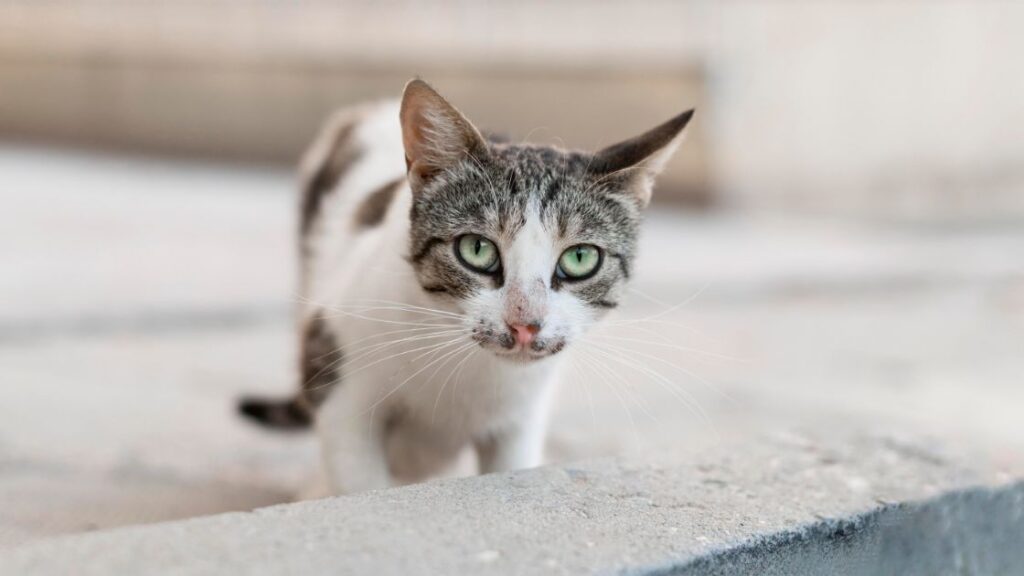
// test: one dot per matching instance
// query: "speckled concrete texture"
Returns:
(794, 505)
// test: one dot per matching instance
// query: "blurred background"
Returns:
(838, 244)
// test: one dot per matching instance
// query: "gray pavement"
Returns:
(140, 297)
(790, 506)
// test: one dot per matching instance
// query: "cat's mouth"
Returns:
(523, 355)
(504, 346)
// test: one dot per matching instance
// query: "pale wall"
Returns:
(892, 110)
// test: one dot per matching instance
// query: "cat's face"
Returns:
(530, 247)
(532, 244)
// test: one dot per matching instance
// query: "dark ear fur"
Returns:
(436, 136)
(645, 155)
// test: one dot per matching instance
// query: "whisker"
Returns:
(625, 387)
(530, 133)
(373, 407)
(590, 398)
(428, 329)
(455, 385)
(629, 413)
(670, 346)
(417, 358)
(347, 347)
(371, 348)
(648, 297)
(707, 384)
(391, 305)
(665, 312)
(637, 324)
(666, 385)
(363, 308)
(407, 306)
(390, 357)
(342, 313)
(469, 354)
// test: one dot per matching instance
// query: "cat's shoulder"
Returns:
(367, 136)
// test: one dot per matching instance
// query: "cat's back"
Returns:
(353, 196)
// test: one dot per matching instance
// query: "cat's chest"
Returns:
(478, 393)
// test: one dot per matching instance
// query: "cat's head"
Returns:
(533, 244)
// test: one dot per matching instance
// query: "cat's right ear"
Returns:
(640, 159)
(436, 136)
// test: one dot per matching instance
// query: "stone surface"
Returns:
(793, 505)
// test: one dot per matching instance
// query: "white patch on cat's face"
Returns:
(526, 297)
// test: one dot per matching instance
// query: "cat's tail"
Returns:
(288, 414)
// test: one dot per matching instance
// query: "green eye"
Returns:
(477, 253)
(579, 262)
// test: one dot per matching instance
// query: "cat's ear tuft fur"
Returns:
(436, 136)
(643, 157)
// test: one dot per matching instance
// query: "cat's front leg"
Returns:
(512, 448)
(352, 443)
(518, 442)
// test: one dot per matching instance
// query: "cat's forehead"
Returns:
(536, 164)
(556, 185)
(497, 196)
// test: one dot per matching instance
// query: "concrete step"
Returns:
(792, 505)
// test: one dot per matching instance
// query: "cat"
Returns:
(443, 274)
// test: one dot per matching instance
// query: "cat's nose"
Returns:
(524, 333)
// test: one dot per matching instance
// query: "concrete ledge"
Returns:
(972, 531)
(867, 505)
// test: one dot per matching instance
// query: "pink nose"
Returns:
(524, 333)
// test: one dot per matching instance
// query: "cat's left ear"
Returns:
(642, 158)
(436, 136)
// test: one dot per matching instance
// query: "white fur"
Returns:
(401, 413)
